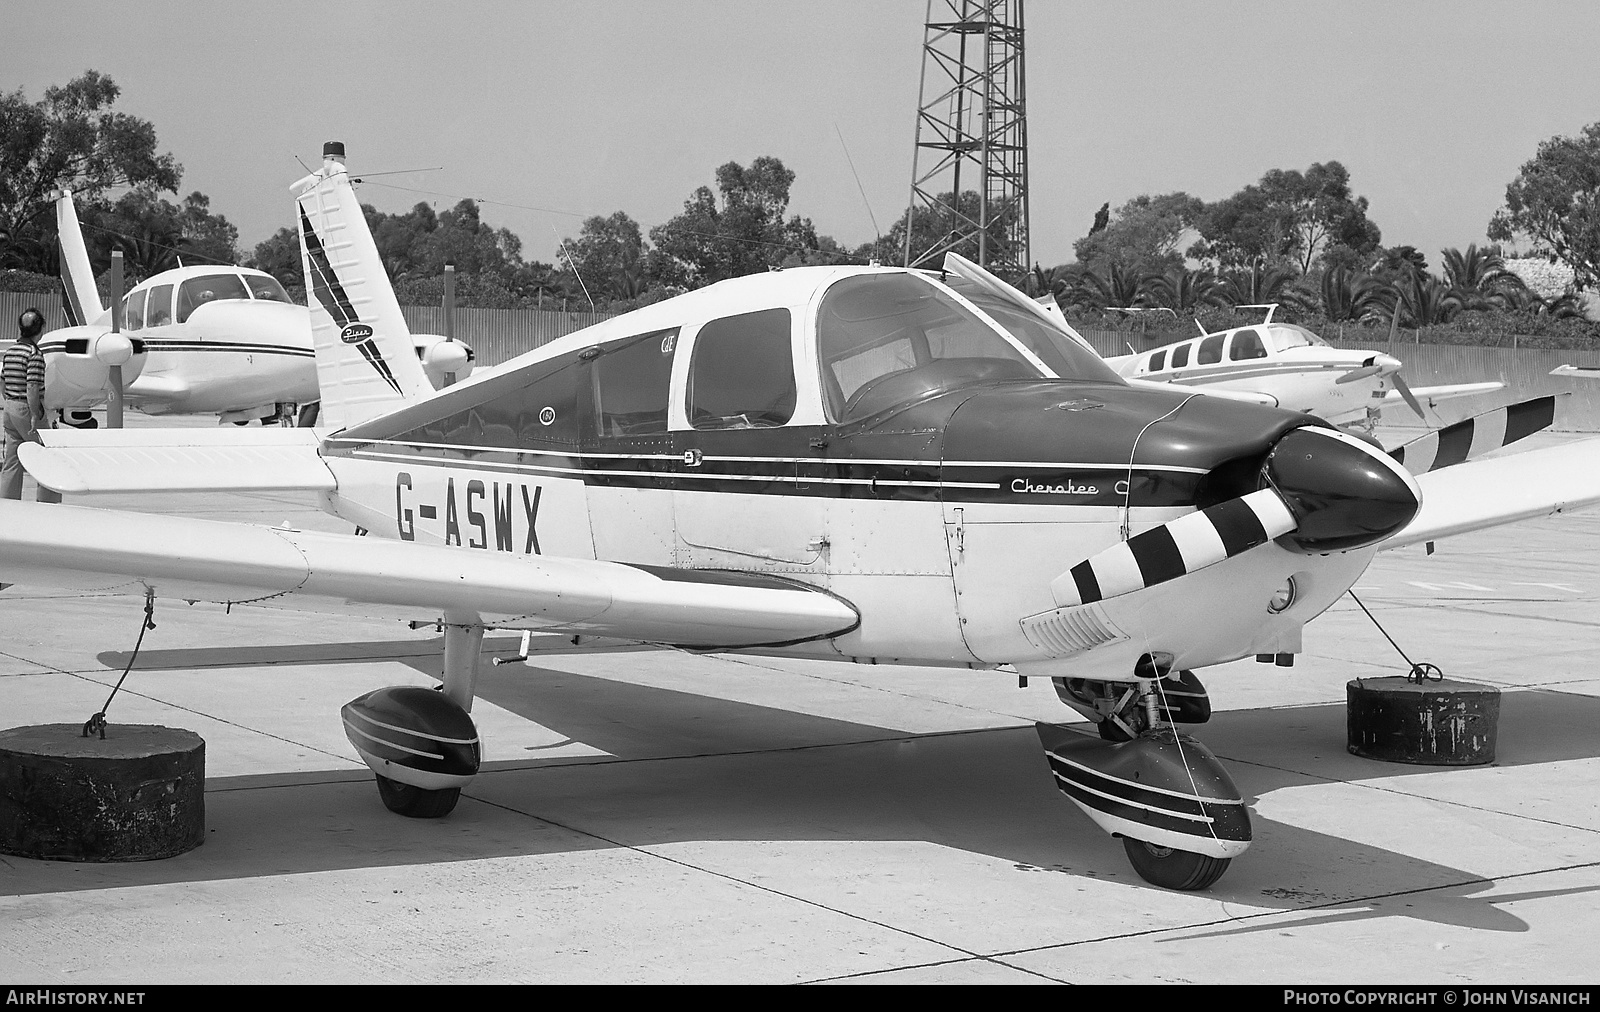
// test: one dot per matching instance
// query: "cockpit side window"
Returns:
(631, 381)
(1158, 361)
(1180, 356)
(133, 310)
(266, 289)
(888, 339)
(158, 311)
(1210, 350)
(1286, 335)
(741, 374)
(1246, 344)
(196, 292)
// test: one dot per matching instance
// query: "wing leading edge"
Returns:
(1502, 490)
(205, 560)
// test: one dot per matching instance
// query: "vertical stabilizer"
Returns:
(366, 361)
(78, 294)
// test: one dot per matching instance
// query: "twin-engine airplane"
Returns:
(1290, 367)
(863, 464)
(200, 340)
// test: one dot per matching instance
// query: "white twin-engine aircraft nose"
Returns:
(256, 324)
(1319, 490)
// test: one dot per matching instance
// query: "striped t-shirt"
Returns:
(21, 365)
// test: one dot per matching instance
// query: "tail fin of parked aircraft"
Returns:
(78, 294)
(366, 360)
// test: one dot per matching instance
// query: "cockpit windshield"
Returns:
(887, 340)
(1287, 335)
(1064, 356)
(266, 289)
(198, 291)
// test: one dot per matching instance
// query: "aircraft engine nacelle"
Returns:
(442, 358)
(78, 361)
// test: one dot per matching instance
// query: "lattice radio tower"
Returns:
(972, 127)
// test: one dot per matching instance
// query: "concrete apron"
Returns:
(652, 816)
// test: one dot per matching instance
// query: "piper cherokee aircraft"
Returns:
(1291, 367)
(863, 464)
(210, 339)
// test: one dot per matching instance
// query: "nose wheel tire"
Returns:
(1170, 868)
(418, 803)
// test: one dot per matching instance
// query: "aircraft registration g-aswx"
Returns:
(864, 464)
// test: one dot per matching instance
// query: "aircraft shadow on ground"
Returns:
(696, 768)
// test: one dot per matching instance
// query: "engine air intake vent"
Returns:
(1067, 631)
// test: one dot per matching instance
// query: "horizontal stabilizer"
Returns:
(1444, 393)
(1502, 490)
(178, 460)
(1473, 437)
(112, 551)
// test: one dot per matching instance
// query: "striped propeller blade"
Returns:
(1176, 548)
(1475, 436)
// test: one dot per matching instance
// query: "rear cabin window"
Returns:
(1180, 356)
(1210, 350)
(133, 310)
(1246, 344)
(196, 292)
(1158, 361)
(158, 312)
(631, 380)
(742, 372)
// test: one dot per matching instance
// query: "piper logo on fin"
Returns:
(355, 333)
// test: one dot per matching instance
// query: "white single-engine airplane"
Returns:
(206, 340)
(863, 464)
(1293, 368)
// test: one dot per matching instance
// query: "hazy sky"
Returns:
(605, 105)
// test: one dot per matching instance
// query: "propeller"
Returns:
(1405, 392)
(1386, 367)
(1319, 490)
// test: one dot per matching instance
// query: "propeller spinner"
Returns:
(1320, 490)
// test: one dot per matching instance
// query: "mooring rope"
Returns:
(98, 721)
(1419, 672)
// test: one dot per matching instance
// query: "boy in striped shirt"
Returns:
(22, 381)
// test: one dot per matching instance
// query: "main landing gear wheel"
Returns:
(418, 803)
(1170, 868)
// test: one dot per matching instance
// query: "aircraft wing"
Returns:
(1444, 393)
(109, 551)
(1502, 490)
(178, 460)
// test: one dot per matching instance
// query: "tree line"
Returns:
(1301, 239)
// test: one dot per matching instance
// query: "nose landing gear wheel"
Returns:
(1170, 868)
(418, 803)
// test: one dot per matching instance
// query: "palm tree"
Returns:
(1479, 277)
(1351, 295)
(1424, 300)
(1258, 285)
(1118, 287)
(1185, 291)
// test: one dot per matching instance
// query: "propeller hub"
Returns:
(1344, 493)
